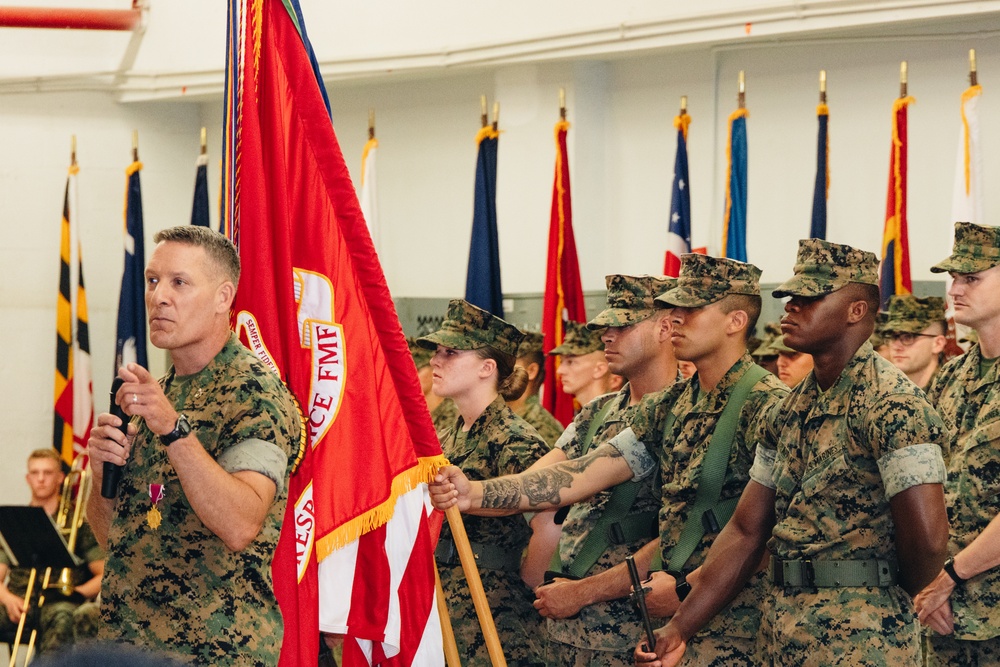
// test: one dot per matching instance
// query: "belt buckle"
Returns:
(808, 573)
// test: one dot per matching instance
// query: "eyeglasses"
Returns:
(905, 338)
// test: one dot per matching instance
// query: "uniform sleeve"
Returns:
(765, 437)
(266, 412)
(257, 456)
(521, 450)
(900, 420)
(640, 460)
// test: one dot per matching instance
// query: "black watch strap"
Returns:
(949, 568)
(682, 586)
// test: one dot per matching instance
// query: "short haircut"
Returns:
(220, 249)
(749, 304)
(46, 453)
(867, 293)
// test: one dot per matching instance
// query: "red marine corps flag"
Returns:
(355, 554)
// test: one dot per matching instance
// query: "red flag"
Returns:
(895, 276)
(563, 291)
(355, 555)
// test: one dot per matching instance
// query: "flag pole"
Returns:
(204, 141)
(468, 560)
(72, 151)
(496, 115)
(484, 116)
(973, 76)
(135, 145)
(371, 123)
(451, 657)
(822, 86)
(562, 104)
(902, 79)
(742, 98)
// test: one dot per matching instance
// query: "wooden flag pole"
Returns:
(742, 99)
(562, 104)
(135, 145)
(684, 104)
(496, 116)
(484, 116)
(973, 76)
(465, 555)
(822, 86)
(204, 141)
(371, 123)
(72, 151)
(447, 632)
(902, 79)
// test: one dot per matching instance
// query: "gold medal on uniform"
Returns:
(153, 516)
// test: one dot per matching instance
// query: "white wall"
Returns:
(621, 152)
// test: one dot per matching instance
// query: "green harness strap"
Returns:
(632, 526)
(713, 475)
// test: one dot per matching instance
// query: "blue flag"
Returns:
(199, 208)
(131, 343)
(734, 240)
(482, 283)
(679, 231)
(822, 190)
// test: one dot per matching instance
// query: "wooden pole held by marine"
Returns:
(742, 99)
(973, 76)
(451, 657)
(822, 86)
(465, 555)
(903, 74)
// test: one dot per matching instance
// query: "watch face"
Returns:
(183, 426)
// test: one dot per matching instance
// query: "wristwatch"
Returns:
(683, 587)
(949, 568)
(181, 430)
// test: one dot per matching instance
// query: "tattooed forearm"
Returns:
(543, 486)
(577, 466)
(501, 493)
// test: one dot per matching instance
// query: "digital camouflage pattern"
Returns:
(542, 420)
(532, 343)
(578, 340)
(976, 248)
(444, 417)
(682, 446)
(913, 314)
(822, 268)
(968, 401)
(179, 588)
(703, 280)
(606, 626)
(835, 458)
(951, 652)
(468, 327)
(498, 443)
(421, 355)
(631, 299)
(56, 618)
(771, 331)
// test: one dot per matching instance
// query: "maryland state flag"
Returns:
(74, 395)
(355, 555)
(482, 282)
(563, 298)
(734, 226)
(679, 232)
(821, 191)
(895, 271)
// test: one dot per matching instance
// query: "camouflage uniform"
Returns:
(444, 417)
(913, 314)
(683, 440)
(605, 633)
(56, 619)
(542, 420)
(178, 588)
(967, 392)
(497, 443)
(578, 340)
(834, 459)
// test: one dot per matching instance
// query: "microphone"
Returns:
(112, 472)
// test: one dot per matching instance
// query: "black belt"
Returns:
(825, 573)
(488, 556)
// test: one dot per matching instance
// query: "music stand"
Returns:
(31, 540)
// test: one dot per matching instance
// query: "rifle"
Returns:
(638, 597)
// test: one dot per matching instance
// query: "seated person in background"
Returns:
(915, 331)
(583, 370)
(54, 619)
(527, 406)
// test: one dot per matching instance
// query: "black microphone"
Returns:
(112, 472)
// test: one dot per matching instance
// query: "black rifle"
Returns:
(638, 597)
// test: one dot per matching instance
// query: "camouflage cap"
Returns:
(468, 327)
(421, 356)
(913, 314)
(977, 248)
(772, 330)
(822, 268)
(630, 300)
(531, 344)
(578, 340)
(776, 346)
(705, 280)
